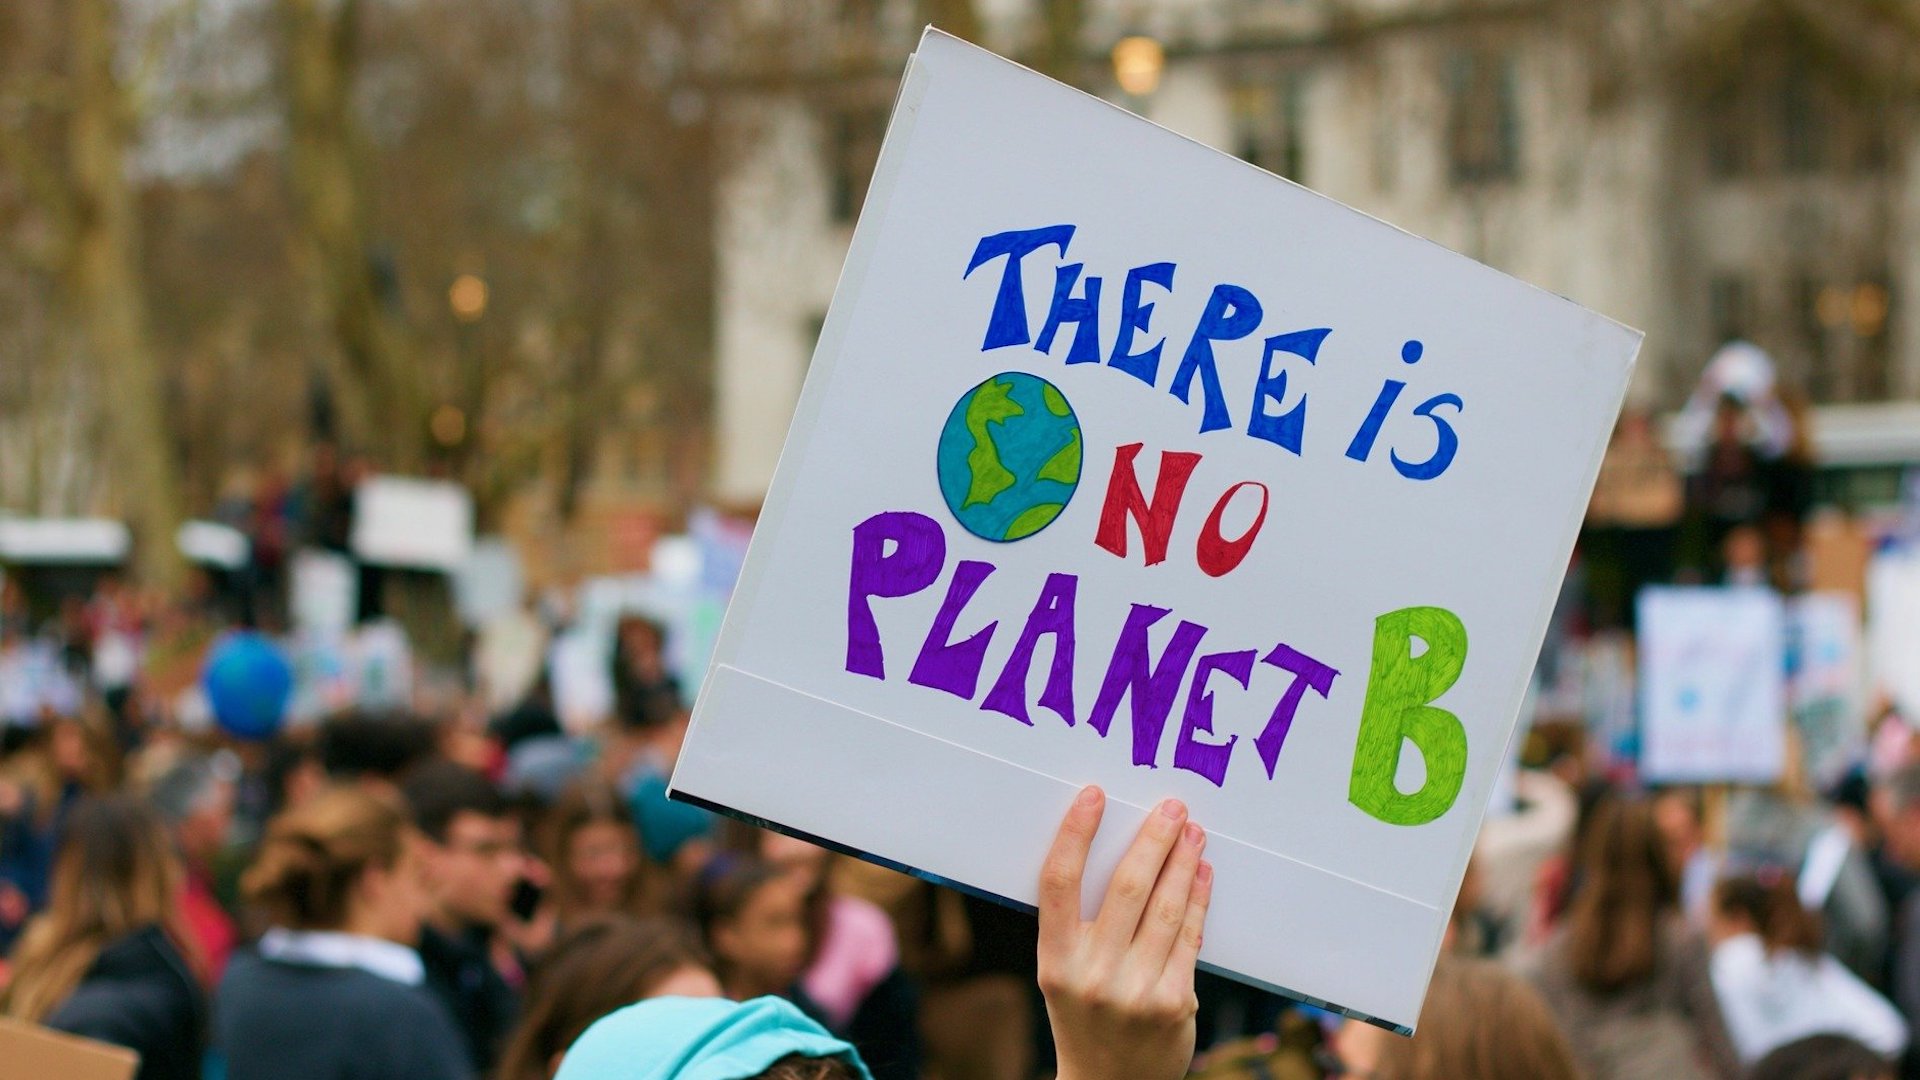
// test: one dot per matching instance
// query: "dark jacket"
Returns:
(141, 994)
(279, 1020)
(461, 974)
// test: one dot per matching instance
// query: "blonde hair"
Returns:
(115, 873)
(1480, 1021)
(312, 855)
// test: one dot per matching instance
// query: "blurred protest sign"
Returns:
(213, 544)
(415, 524)
(489, 583)
(63, 541)
(1081, 374)
(1824, 683)
(324, 593)
(1893, 628)
(1713, 701)
(31, 1052)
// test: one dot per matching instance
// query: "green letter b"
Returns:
(1400, 690)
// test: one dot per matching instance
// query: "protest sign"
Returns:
(31, 1052)
(1893, 628)
(1123, 462)
(416, 524)
(1824, 682)
(1713, 696)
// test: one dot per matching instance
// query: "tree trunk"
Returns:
(380, 384)
(105, 282)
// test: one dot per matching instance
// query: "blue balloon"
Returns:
(248, 684)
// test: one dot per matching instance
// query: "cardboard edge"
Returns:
(1003, 901)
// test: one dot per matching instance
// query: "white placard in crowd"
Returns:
(413, 524)
(1893, 628)
(1122, 461)
(324, 593)
(490, 583)
(1824, 688)
(1713, 695)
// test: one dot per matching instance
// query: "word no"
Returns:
(901, 553)
(1231, 314)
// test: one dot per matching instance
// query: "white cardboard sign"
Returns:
(1713, 685)
(1121, 461)
(417, 524)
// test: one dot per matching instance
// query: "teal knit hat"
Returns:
(678, 1038)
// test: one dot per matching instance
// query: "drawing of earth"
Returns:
(1009, 456)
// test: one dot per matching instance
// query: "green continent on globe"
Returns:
(991, 401)
(1009, 456)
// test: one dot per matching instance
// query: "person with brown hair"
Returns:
(106, 959)
(596, 967)
(589, 842)
(1480, 1021)
(335, 988)
(1118, 988)
(1626, 977)
(1774, 982)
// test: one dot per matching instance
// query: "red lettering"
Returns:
(1155, 517)
(1215, 553)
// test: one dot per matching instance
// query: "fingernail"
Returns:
(1195, 833)
(1173, 808)
(1205, 873)
(1088, 796)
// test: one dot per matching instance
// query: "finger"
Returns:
(1066, 864)
(1133, 879)
(1166, 912)
(1186, 947)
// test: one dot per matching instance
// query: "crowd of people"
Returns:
(472, 888)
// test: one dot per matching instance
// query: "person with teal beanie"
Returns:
(679, 1038)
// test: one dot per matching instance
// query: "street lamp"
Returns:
(1137, 64)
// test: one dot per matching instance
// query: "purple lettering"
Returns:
(1152, 685)
(919, 550)
(945, 664)
(1306, 672)
(1051, 614)
(1189, 753)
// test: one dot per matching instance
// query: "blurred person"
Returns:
(472, 861)
(335, 988)
(642, 750)
(1626, 976)
(110, 958)
(1632, 519)
(1728, 491)
(373, 749)
(1680, 815)
(1899, 799)
(640, 662)
(1118, 989)
(599, 966)
(66, 759)
(851, 981)
(1743, 558)
(292, 773)
(1822, 1057)
(753, 916)
(1790, 492)
(588, 841)
(1480, 1021)
(1773, 981)
(195, 797)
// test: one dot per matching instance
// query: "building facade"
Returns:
(1704, 171)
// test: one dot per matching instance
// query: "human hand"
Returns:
(1119, 989)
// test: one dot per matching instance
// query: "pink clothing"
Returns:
(857, 952)
(210, 926)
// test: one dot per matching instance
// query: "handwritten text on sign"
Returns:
(902, 553)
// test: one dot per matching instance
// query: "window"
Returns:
(1269, 121)
(1483, 118)
(854, 135)
(1728, 308)
(1803, 128)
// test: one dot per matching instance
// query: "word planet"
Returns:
(1009, 456)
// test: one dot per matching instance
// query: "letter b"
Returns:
(1400, 690)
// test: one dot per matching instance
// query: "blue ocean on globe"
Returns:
(1009, 456)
